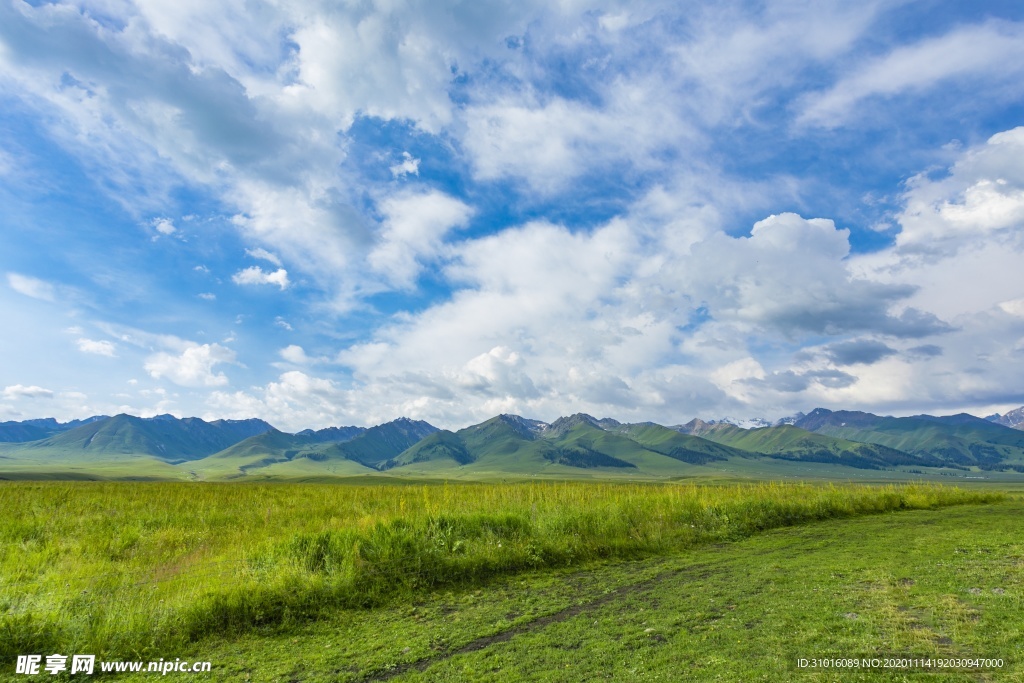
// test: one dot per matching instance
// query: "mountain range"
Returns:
(578, 445)
(1014, 418)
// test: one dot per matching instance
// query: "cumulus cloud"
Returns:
(665, 307)
(961, 242)
(253, 104)
(164, 226)
(193, 367)
(20, 391)
(497, 372)
(294, 353)
(1013, 307)
(254, 275)
(661, 323)
(409, 165)
(983, 194)
(295, 401)
(415, 225)
(548, 143)
(31, 286)
(790, 275)
(99, 348)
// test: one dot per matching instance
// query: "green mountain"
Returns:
(378, 445)
(960, 440)
(684, 447)
(352, 449)
(33, 430)
(509, 444)
(439, 446)
(823, 443)
(164, 438)
(787, 442)
(17, 432)
(331, 434)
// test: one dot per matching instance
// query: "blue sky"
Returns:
(324, 213)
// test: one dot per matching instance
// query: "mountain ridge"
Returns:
(517, 445)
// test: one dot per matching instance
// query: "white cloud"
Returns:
(20, 391)
(164, 226)
(415, 225)
(408, 166)
(251, 103)
(734, 378)
(1014, 307)
(31, 286)
(263, 254)
(961, 239)
(254, 103)
(548, 143)
(193, 367)
(295, 401)
(207, 296)
(294, 353)
(99, 348)
(310, 225)
(653, 313)
(656, 315)
(254, 275)
(993, 52)
(790, 276)
(982, 194)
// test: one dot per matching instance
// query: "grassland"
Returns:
(143, 569)
(930, 583)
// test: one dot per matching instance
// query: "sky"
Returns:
(334, 213)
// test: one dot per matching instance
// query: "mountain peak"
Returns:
(789, 420)
(698, 427)
(564, 424)
(1013, 418)
(521, 423)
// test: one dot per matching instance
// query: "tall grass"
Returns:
(129, 570)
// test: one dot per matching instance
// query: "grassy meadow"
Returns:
(945, 582)
(137, 570)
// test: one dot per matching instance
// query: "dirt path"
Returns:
(697, 571)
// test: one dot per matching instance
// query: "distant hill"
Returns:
(164, 437)
(329, 434)
(33, 430)
(513, 445)
(574, 446)
(962, 440)
(439, 446)
(682, 447)
(698, 427)
(368, 448)
(788, 442)
(378, 445)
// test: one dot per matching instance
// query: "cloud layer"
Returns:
(321, 213)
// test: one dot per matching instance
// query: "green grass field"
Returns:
(507, 582)
(939, 583)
